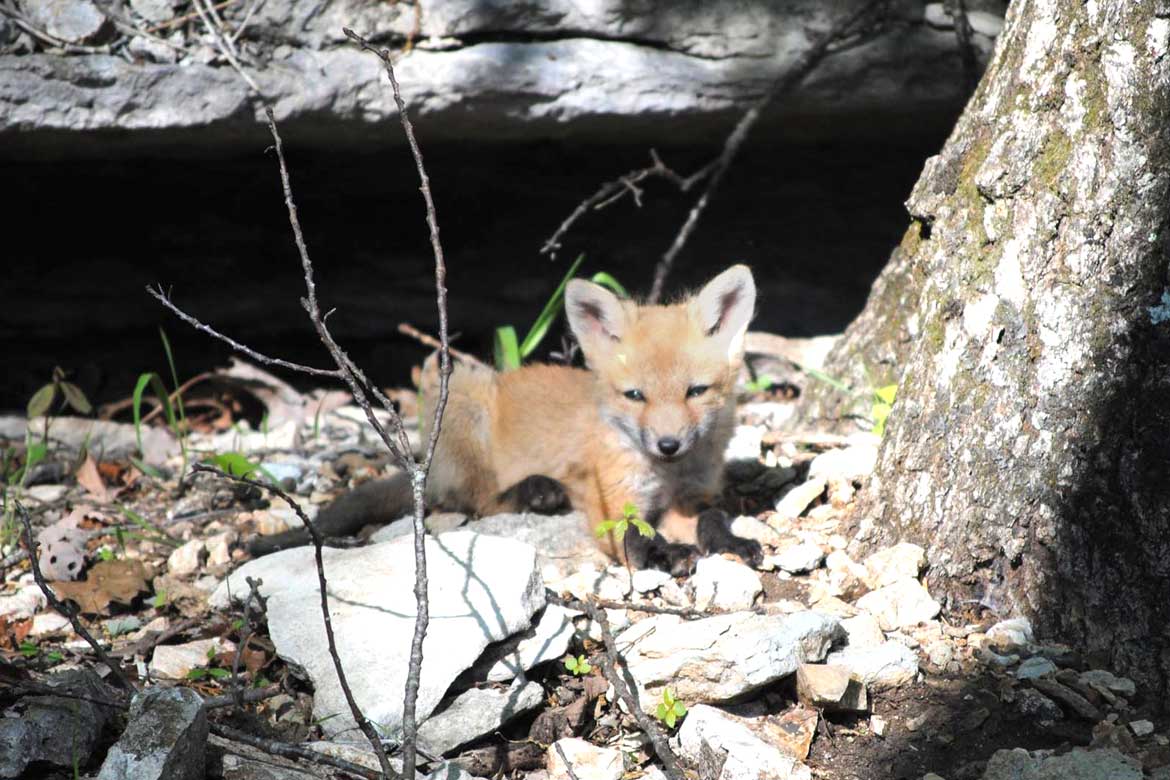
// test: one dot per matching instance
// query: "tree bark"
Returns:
(1026, 319)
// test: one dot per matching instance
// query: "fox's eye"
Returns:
(694, 391)
(634, 395)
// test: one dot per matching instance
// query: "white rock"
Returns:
(749, 527)
(748, 756)
(940, 653)
(831, 687)
(1141, 728)
(887, 666)
(482, 589)
(1077, 764)
(853, 463)
(903, 604)
(563, 543)
(647, 580)
(798, 558)
(611, 583)
(722, 584)
(878, 725)
(476, 712)
(219, 548)
(1016, 632)
(747, 442)
(796, 500)
(1037, 666)
(48, 623)
(22, 604)
(985, 23)
(186, 558)
(718, 658)
(46, 494)
(1120, 685)
(153, 10)
(588, 761)
(936, 15)
(173, 662)
(846, 576)
(902, 561)
(546, 641)
(863, 631)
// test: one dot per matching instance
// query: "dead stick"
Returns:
(291, 751)
(61, 608)
(406, 329)
(565, 759)
(791, 78)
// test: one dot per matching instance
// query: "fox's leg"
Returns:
(536, 493)
(658, 553)
(713, 532)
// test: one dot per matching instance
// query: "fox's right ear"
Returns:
(596, 316)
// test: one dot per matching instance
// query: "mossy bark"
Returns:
(1026, 320)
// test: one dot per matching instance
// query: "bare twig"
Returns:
(565, 761)
(419, 473)
(613, 190)
(963, 32)
(363, 723)
(208, 16)
(611, 662)
(291, 751)
(731, 145)
(247, 18)
(62, 608)
(239, 698)
(427, 339)
(187, 17)
(253, 596)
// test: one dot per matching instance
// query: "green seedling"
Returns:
(883, 403)
(619, 527)
(670, 709)
(578, 665)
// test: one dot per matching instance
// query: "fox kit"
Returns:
(645, 425)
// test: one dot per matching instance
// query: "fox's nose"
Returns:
(668, 445)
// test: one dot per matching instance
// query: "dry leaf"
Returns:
(89, 478)
(109, 581)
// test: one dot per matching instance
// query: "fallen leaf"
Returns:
(109, 581)
(89, 478)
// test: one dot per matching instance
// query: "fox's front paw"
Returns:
(715, 536)
(538, 493)
(678, 559)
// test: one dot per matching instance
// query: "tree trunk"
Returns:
(1026, 319)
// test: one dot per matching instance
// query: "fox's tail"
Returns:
(372, 503)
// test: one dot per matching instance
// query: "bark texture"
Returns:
(1026, 313)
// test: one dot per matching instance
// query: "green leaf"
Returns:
(671, 718)
(160, 600)
(605, 280)
(42, 400)
(55, 657)
(145, 468)
(604, 527)
(822, 376)
(549, 313)
(197, 674)
(234, 463)
(75, 398)
(28, 649)
(219, 674)
(174, 374)
(505, 349)
(661, 713)
(680, 709)
(35, 453)
(886, 394)
(643, 527)
(106, 554)
(667, 697)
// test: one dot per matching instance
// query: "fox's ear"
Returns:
(596, 316)
(726, 306)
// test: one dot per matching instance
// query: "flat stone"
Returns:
(719, 583)
(476, 712)
(863, 631)
(719, 658)
(588, 761)
(173, 662)
(546, 641)
(563, 543)
(1066, 696)
(1141, 728)
(888, 665)
(831, 687)
(1119, 685)
(1012, 634)
(798, 558)
(748, 756)
(1036, 666)
(186, 559)
(1077, 764)
(165, 739)
(748, 527)
(846, 576)
(1035, 704)
(648, 580)
(482, 589)
(55, 729)
(49, 623)
(611, 582)
(853, 464)
(795, 501)
(902, 604)
(73, 21)
(900, 562)
(154, 10)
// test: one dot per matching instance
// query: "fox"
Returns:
(645, 423)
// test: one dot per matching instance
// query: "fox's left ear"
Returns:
(726, 306)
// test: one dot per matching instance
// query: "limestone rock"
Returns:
(798, 558)
(722, 584)
(863, 631)
(186, 558)
(165, 740)
(902, 561)
(748, 756)
(1077, 764)
(482, 589)
(852, 464)
(831, 687)
(72, 21)
(902, 604)
(588, 761)
(476, 712)
(173, 662)
(546, 641)
(1012, 634)
(795, 501)
(55, 729)
(563, 543)
(888, 665)
(719, 658)
(1034, 667)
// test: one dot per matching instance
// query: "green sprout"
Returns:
(578, 665)
(670, 709)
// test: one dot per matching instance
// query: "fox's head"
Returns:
(666, 373)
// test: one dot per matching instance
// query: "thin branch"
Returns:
(165, 300)
(419, 475)
(206, 15)
(62, 608)
(239, 698)
(247, 18)
(963, 32)
(613, 190)
(363, 723)
(731, 145)
(253, 596)
(426, 339)
(291, 751)
(187, 17)
(565, 761)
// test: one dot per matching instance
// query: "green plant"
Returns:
(578, 665)
(41, 403)
(760, 384)
(150, 532)
(175, 413)
(619, 527)
(215, 673)
(883, 402)
(670, 709)
(509, 352)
